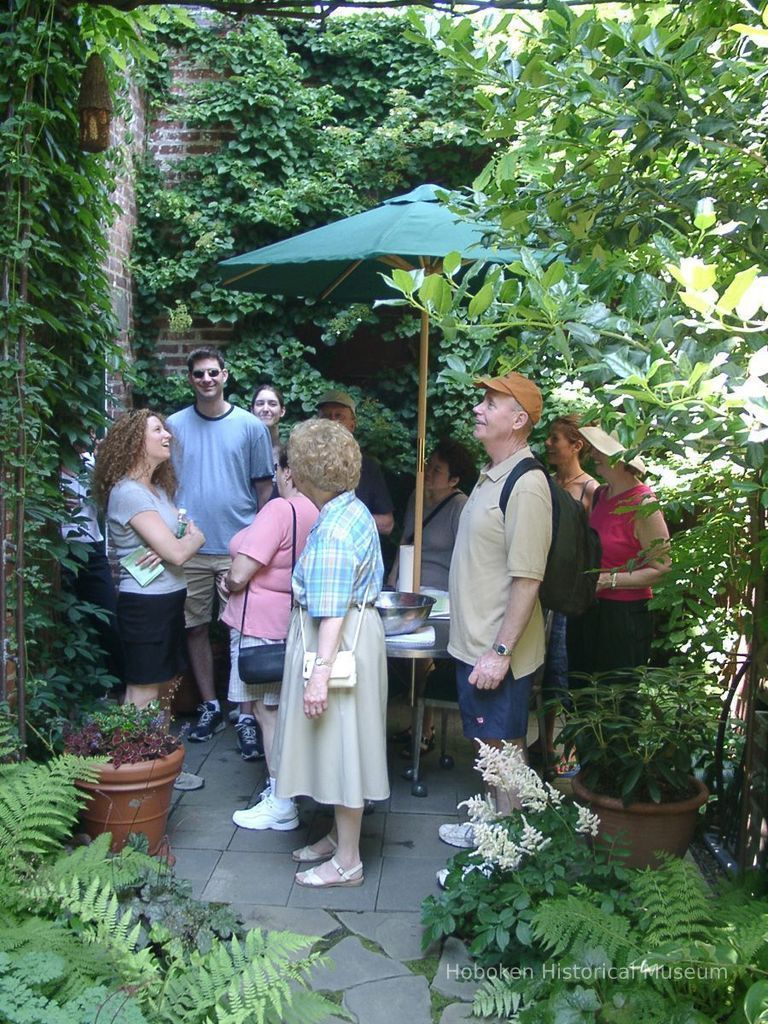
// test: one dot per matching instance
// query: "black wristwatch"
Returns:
(503, 650)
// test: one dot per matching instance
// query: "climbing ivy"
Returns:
(309, 126)
(57, 328)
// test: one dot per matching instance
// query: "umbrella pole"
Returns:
(421, 446)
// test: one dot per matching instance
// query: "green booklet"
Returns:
(141, 573)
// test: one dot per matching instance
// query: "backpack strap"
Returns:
(524, 466)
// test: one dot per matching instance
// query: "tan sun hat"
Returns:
(524, 391)
(610, 445)
(337, 397)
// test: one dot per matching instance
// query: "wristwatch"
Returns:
(503, 650)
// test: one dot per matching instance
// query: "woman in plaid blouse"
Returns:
(331, 742)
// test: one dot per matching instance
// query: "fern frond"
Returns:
(123, 870)
(674, 904)
(254, 979)
(39, 805)
(85, 965)
(573, 924)
(743, 924)
(496, 997)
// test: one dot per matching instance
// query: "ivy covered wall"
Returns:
(260, 131)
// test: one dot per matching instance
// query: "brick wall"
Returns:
(173, 347)
(120, 237)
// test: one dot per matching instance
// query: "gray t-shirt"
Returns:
(437, 540)
(216, 461)
(127, 499)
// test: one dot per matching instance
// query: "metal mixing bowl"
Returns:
(401, 612)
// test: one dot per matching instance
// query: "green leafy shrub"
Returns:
(639, 738)
(80, 939)
(492, 892)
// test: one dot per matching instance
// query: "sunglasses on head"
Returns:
(199, 374)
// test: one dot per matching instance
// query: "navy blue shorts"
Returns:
(500, 714)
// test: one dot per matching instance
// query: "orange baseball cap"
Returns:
(524, 392)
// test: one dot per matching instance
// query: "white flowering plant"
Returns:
(538, 851)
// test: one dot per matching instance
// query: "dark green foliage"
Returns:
(629, 140)
(639, 738)
(316, 125)
(79, 942)
(670, 951)
(57, 327)
(38, 809)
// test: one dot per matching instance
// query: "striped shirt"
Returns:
(342, 559)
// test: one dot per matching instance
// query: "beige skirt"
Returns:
(340, 757)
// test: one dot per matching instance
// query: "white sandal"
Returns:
(306, 855)
(311, 880)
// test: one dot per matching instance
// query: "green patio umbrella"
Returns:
(345, 261)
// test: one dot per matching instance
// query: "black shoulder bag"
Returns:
(264, 663)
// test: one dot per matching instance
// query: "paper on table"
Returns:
(405, 569)
(440, 609)
(140, 573)
(424, 637)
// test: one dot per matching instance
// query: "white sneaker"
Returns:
(441, 877)
(462, 836)
(280, 815)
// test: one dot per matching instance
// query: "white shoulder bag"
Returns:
(344, 668)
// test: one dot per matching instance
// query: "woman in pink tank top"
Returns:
(616, 632)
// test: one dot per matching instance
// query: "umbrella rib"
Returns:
(396, 261)
(245, 273)
(340, 279)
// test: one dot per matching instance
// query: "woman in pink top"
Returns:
(262, 562)
(616, 632)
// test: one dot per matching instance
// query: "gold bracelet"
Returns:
(614, 574)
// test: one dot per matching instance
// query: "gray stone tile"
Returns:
(301, 920)
(264, 878)
(354, 965)
(361, 897)
(455, 965)
(195, 865)
(196, 827)
(398, 934)
(397, 999)
(457, 1013)
(404, 885)
(267, 840)
(414, 835)
(403, 802)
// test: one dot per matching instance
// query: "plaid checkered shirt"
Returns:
(341, 559)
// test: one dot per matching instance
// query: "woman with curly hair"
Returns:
(330, 743)
(134, 480)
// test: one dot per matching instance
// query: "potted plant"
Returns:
(636, 739)
(143, 759)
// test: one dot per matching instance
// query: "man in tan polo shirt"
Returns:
(497, 627)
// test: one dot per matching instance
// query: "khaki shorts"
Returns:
(205, 579)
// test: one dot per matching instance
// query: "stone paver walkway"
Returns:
(379, 971)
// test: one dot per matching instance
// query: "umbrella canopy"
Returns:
(345, 261)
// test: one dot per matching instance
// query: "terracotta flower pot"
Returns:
(132, 798)
(644, 828)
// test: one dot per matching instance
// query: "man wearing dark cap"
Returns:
(497, 627)
(372, 490)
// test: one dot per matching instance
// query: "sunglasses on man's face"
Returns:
(199, 374)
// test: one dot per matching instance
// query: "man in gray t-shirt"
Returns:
(223, 461)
